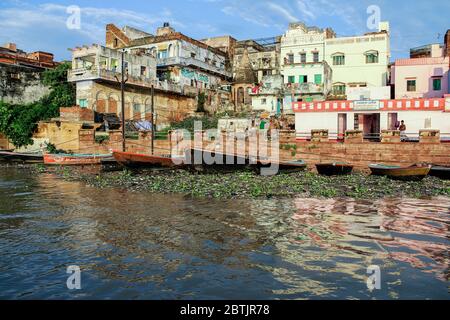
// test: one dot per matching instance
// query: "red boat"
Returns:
(135, 160)
(74, 159)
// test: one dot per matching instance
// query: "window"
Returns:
(315, 56)
(437, 84)
(371, 57)
(162, 54)
(193, 55)
(290, 58)
(411, 85)
(339, 89)
(83, 103)
(318, 79)
(303, 79)
(143, 70)
(263, 101)
(116, 42)
(302, 57)
(339, 60)
(291, 79)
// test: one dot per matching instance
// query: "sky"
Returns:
(41, 25)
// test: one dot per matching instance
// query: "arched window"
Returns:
(170, 50)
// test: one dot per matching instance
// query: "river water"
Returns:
(132, 245)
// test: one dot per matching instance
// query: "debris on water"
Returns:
(251, 185)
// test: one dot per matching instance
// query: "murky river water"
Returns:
(141, 246)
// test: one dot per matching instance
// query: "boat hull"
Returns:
(135, 160)
(21, 157)
(413, 173)
(211, 160)
(334, 169)
(283, 166)
(73, 160)
(440, 172)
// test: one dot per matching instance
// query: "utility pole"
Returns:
(123, 81)
(153, 119)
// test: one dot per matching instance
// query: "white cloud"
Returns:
(285, 13)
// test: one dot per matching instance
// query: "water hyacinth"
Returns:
(248, 184)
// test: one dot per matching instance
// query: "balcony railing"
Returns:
(192, 62)
(304, 88)
(109, 75)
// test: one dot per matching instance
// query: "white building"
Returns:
(373, 116)
(320, 66)
(360, 61)
(268, 96)
(307, 75)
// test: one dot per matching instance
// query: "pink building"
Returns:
(426, 77)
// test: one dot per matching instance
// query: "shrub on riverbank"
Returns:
(17, 122)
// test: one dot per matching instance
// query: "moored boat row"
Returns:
(195, 158)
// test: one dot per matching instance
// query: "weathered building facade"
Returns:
(180, 59)
(268, 95)
(177, 67)
(20, 74)
(264, 59)
(307, 75)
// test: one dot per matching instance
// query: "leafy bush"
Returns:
(18, 122)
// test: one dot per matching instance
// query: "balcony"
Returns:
(304, 88)
(192, 62)
(85, 74)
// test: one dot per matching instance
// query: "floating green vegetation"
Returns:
(247, 184)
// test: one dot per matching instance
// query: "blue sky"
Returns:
(41, 25)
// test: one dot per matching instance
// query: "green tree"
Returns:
(62, 93)
(18, 122)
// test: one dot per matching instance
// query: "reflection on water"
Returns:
(141, 246)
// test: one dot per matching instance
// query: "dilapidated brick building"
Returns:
(20, 74)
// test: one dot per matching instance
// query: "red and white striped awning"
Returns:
(437, 104)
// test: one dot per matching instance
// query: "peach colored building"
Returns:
(421, 77)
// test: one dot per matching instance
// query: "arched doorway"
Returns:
(100, 102)
(113, 104)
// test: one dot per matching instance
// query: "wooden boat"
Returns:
(74, 159)
(442, 172)
(334, 168)
(283, 166)
(135, 160)
(402, 173)
(21, 157)
(210, 159)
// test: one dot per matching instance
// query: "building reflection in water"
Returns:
(407, 230)
(291, 247)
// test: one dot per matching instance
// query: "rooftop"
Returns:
(422, 61)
